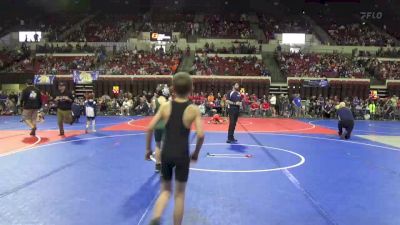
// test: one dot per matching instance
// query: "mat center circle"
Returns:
(236, 156)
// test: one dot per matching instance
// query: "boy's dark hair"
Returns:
(182, 83)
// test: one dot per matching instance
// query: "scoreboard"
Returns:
(166, 37)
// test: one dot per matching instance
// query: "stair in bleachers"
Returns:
(77, 26)
(187, 62)
(258, 33)
(82, 89)
(278, 88)
(321, 34)
(273, 67)
(254, 24)
(381, 89)
(191, 38)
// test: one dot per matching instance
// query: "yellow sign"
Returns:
(115, 89)
(86, 77)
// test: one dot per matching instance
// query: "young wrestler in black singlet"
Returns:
(178, 116)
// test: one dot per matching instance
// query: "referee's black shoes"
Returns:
(233, 141)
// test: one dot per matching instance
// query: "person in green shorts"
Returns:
(160, 126)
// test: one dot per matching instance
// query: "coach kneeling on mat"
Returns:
(346, 120)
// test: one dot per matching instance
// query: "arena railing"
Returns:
(137, 83)
(258, 56)
(393, 87)
(340, 87)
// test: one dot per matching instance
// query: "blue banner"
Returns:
(316, 83)
(85, 77)
(43, 79)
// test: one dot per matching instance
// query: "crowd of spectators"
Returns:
(59, 23)
(63, 65)
(53, 24)
(67, 48)
(124, 62)
(143, 63)
(320, 107)
(388, 53)
(168, 23)
(390, 24)
(233, 66)
(271, 25)
(381, 53)
(49, 64)
(358, 34)
(262, 106)
(294, 106)
(382, 70)
(103, 28)
(8, 103)
(172, 22)
(236, 48)
(11, 57)
(319, 65)
(215, 102)
(163, 27)
(126, 104)
(228, 26)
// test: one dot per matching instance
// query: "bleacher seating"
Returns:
(237, 66)
(271, 25)
(103, 28)
(228, 26)
(142, 63)
(319, 65)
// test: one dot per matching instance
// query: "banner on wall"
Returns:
(373, 94)
(44, 79)
(115, 90)
(85, 77)
(316, 83)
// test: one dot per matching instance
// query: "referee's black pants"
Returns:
(233, 118)
(346, 124)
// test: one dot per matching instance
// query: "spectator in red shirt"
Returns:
(44, 98)
(254, 108)
(265, 107)
(191, 98)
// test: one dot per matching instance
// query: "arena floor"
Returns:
(282, 171)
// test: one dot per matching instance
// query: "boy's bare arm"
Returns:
(199, 133)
